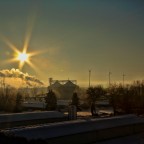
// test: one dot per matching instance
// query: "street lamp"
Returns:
(89, 77)
(110, 78)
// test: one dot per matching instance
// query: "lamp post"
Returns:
(110, 78)
(89, 78)
(123, 79)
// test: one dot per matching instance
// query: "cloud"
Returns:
(16, 73)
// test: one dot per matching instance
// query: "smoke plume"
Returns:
(16, 73)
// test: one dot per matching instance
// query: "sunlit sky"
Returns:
(76, 35)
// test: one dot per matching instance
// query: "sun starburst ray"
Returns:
(26, 43)
(21, 64)
(12, 46)
(37, 53)
(12, 60)
(29, 30)
(32, 65)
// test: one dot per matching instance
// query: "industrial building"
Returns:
(63, 89)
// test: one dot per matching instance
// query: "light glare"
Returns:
(22, 57)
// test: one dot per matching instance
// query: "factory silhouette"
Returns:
(63, 89)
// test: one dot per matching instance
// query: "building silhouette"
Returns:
(63, 89)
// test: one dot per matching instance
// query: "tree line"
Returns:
(124, 99)
(10, 99)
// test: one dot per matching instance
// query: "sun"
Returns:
(22, 57)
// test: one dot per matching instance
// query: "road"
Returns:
(133, 139)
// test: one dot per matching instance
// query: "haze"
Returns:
(77, 35)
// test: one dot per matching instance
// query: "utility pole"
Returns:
(89, 78)
(123, 79)
(110, 78)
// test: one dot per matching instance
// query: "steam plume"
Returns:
(16, 73)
